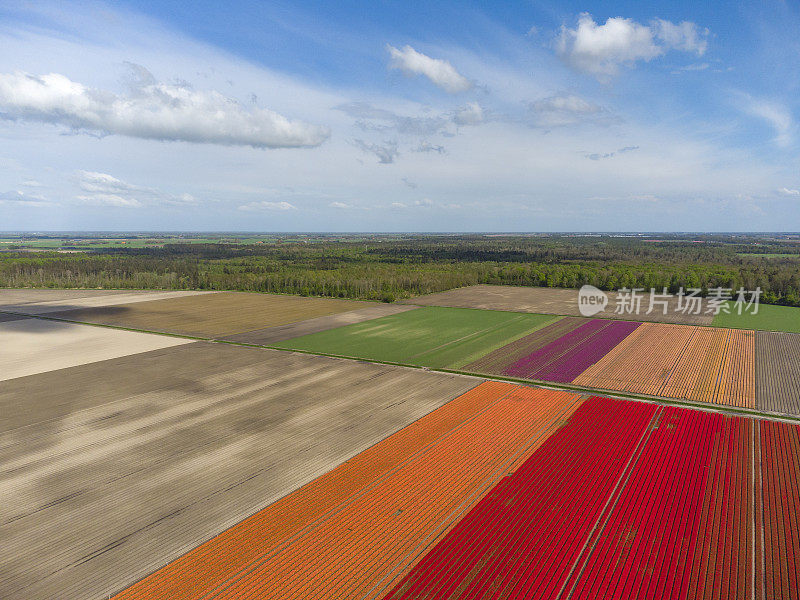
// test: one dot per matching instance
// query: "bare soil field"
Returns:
(30, 346)
(553, 301)
(281, 333)
(37, 302)
(778, 372)
(111, 470)
(213, 315)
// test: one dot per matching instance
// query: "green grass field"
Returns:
(431, 336)
(769, 318)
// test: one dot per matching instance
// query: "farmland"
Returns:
(697, 364)
(204, 315)
(56, 301)
(430, 336)
(768, 318)
(161, 466)
(664, 502)
(715, 365)
(33, 346)
(125, 464)
(548, 301)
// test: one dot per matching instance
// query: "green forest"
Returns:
(392, 267)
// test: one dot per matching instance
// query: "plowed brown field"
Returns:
(213, 315)
(778, 371)
(111, 470)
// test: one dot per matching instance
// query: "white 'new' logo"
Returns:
(591, 300)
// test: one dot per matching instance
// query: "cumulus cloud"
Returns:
(385, 152)
(409, 183)
(267, 205)
(788, 192)
(565, 109)
(440, 72)
(151, 110)
(102, 189)
(340, 205)
(600, 50)
(471, 114)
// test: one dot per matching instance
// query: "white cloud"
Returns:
(685, 36)
(103, 189)
(777, 115)
(601, 49)
(471, 114)
(151, 110)
(109, 200)
(788, 192)
(266, 205)
(91, 181)
(32, 183)
(440, 72)
(564, 109)
(22, 199)
(340, 205)
(424, 203)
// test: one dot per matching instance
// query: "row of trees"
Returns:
(391, 269)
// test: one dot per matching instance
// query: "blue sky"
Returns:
(400, 116)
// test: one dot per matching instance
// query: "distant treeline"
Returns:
(401, 268)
